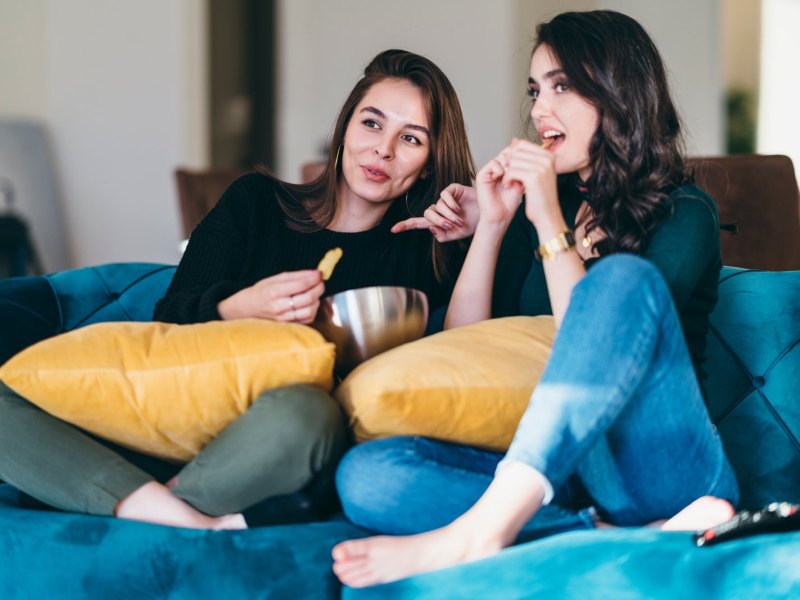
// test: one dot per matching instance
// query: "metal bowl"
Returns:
(365, 322)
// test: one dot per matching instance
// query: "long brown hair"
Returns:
(312, 206)
(637, 152)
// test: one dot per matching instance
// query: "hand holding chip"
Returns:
(291, 297)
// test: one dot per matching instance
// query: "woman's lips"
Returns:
(374, 174)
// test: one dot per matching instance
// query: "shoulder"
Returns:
(252, 185)
(252, 193)
(692, 222)
(690, 203)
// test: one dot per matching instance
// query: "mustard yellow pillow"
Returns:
(165, 389)
(468, 385)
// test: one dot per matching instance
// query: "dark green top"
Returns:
(684, 247)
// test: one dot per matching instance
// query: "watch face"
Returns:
(563, 241)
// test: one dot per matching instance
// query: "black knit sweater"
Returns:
(244, 239)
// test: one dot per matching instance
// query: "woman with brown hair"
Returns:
(399, 139)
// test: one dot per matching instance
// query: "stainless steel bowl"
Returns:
(368, 321)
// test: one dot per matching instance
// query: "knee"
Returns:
(626, 275)
(370, 478)
(308, 415)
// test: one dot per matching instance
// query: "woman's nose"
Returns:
(540, 108)
(385, 148)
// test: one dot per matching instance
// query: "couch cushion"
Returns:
(754, 377)
(58, 555)
(38, 307)
(162, 389)
(468, 385)
(28, 313)
(110, 292)
(643, 563)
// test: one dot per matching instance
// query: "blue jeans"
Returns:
(617, 422)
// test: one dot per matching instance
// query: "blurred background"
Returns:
(101, 100)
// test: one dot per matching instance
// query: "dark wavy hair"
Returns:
(312, 206)
(637, 152)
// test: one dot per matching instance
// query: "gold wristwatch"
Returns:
(562, 242)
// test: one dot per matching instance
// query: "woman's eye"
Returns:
(533, 94)
(412, 139)
(371, 123)
(561, 88)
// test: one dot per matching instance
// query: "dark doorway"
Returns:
(242, 81)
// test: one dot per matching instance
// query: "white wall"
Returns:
(121, 87)
(688, 35)
(22, 58)
(484, 48)
(324, 46)
(778, 114)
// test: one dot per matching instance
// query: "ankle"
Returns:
(480, 536)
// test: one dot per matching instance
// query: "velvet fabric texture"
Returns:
(753, 364)
(753, 386)
(162, 389)
(39, 307)
(29, 312)
(615, 563)
(56, 555)
(469, 385)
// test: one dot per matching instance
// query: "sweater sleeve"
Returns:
(211, 267)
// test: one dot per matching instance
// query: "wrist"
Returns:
(230, 308)
(491, 230)
(550, 248)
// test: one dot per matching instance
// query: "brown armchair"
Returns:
(757, 196)
(759, 208)
(199, 191)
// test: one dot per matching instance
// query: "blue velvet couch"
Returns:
(754, 399)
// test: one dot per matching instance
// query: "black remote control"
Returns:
(778, 516)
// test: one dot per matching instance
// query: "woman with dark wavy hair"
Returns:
(617, 431)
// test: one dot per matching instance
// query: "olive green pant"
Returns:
(289, 439)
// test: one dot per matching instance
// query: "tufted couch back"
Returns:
(753, 353)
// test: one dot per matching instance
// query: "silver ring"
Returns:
(291, 302)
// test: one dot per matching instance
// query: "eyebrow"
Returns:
(548, 75)
(379, 113)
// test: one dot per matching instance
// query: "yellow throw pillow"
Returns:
(165, 389)
(468, 385)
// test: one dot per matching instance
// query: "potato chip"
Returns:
(328, 262)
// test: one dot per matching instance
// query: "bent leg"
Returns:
(407, 485)
(289, 438)
(607, 381)
(620, 404)
(57, 463)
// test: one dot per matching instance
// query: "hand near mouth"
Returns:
(498, 196)
(533, 168)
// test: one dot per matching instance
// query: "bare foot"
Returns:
(381, 559)
(703, 513)
(154, 503)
